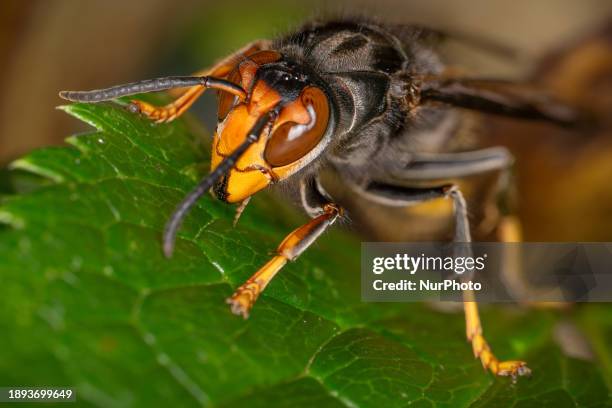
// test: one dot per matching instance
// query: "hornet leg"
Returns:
(513, 275)
(292, 246)
(431, 167)
(171, 111)
(481, 348)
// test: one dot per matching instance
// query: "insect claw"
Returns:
(524, 371)
(514, 369)
(243, 299)
(134, 108)
(238, 308)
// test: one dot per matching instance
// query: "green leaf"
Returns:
(89, 301)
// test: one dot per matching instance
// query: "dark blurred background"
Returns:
(47, 46)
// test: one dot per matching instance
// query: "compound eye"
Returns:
(291, 141)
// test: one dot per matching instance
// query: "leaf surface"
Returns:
(89, 301)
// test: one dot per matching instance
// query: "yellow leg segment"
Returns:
(171, 111)
(292, 246)
(481, 348)
(245, 296)
(473, 327)
(510, 231)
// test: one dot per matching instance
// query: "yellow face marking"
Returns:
(246, 178)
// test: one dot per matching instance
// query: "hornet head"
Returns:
(274, 119)
(296, 133)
